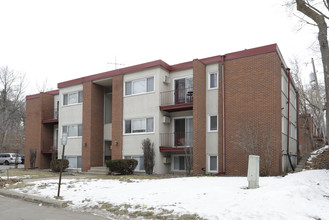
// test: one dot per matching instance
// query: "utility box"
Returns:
(253, 172)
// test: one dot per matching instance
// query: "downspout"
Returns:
(288, 118)
(223, 115)
(288, 102)
(297, 124)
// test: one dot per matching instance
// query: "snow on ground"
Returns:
(315, 153)
(303, 195)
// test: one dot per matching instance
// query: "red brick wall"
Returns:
(47, 131)
(93, 125)
(117, 116)
(199, 117)
(33, 123)
(37, 134)
(252, 95)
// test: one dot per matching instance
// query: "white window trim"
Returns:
(131, 157)
(72, 137)
(209, 73)
(173, 125)
(69, 93)
(141, 93)
(173, 164)
(208, 122)
(177, 78)
(208, 163)
(138, 133)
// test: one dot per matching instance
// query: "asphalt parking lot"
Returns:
(11, 166)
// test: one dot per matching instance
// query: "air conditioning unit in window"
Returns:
(166, 160)
(166, 79)
(165, 120)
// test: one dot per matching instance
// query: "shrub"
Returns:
(148, 149)
(122, 166)
(55, 165)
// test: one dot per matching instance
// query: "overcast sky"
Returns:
(62, 40)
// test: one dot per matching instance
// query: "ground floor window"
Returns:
(178, 163)
(140, 159)
(74, 161)
(212, 163)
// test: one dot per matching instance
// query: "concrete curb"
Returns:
(31, 198)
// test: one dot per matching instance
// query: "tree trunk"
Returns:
(323, 41)
(319, 18)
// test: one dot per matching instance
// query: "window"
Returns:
(140, 159)
(178, 163)
(73, 98)
(139, 86)
(140, 125)
(212, 120)
(212, 163)
(73, 130)
(284, 124)
(74, 161)
(213, 80)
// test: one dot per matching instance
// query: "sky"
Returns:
(55, 41)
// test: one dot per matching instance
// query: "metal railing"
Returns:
(56, 113)
(176, 139)
(178, 96)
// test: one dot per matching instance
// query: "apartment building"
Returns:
(204, 103)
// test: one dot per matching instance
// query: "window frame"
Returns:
(79, 98)
(209, 123)
(209, 80)
(209, 163)
(173, 163)
(137, 169)
(79, 130)
(145, 122)
(131, 82)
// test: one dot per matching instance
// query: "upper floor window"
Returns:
(72, 98)
(139, 86)
(139, 125)
(73, 130)
(212, 121)
(213, 80)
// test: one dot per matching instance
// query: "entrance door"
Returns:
(107, 151)
(180, 91)
(179, 132)
(183, 134)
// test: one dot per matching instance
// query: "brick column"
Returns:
(92, 125)
(117, 116)
(33, 123)
(199, 116)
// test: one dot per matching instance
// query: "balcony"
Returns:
(53, 120)
(48, 149)
(175, 142)
(177, 100)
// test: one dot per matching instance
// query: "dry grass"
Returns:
(27, 174)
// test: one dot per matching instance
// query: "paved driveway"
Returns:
(4, 167)
(16, 209)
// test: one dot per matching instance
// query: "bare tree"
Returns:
(253, 141)
(310, 101)
(33, 156)
(316, 13)
(12, 109)
(43, 87)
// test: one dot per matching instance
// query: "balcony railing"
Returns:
(176, 139)
(56, 113)
(178, 96)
